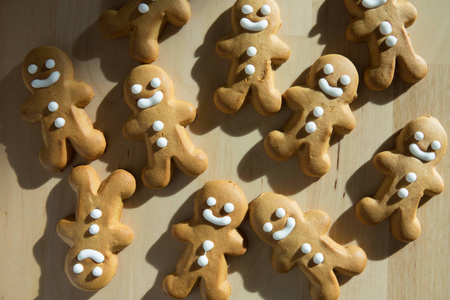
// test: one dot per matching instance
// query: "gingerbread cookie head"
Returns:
(46, 66)
(256, 16)
(335, 76)
(423, 138)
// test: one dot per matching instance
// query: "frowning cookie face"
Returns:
(256, 15)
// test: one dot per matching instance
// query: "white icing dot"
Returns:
(318, 112)
(202, 261)
(211, 201)
(419, 136)
(96, 213)
(411, 177)
(143, 8)
(403, 193)
(32, 69)
(436, 145)
(162, 142)
(50, 64)
(251, 51)
(208, 245)
(246, 9)
(328, 69)
(306, 248)
(94, 229)
(136, 89)
(265, 9)
(60, 122)
(318, 258)
(345, 80)
(280, 212)
(53, 106)
(268, 227)
(78, 268)
(310, 127)
(229, 207)
(250, 69)
(385, 28)
(391, 41)
(158, 126)
(97, 271)
(155, 83)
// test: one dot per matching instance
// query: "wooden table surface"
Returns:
(34, 199)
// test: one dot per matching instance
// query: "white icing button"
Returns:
(143, 8)
(265, 9)
(162, 142)
(306, 248)
(250, 69)
(268, 227)
(328, 69)
(411, 177)
(78, 268)
(345, 80)
(246, 9)
(155, 83)
(60, 122)
(419, 136)
(32, 69)
(310, 127)
(136, 89)
(208, 245)
(229, 207)
(96, 213)
(97, 271)
(436, 145)
(280, 212)
(202, 261)
(391, 41)
(318, 112)
(251, 51)
(53, 106)
(158, 126)
(385, 28)
(94, 229)
(318, 258)
(50, 64)
(403, 193)
(211, 201)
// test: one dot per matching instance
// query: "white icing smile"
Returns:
(220, 221)
(426, 156)
(254, 26)
(152, 101)
(283, 233)
(92, 254)
(373, 3)
(44, 83)
(329, 90)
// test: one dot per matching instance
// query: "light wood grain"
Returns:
(33, 199)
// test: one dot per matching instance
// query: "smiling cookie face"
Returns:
(256, 16)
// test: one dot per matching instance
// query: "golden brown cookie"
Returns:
(57, 102)
(382, 25)
(410, 171)
(321, 108)
(94, 234)
(220, 207)
(300, 240)
(253, 48)
(143, 21)
(160, 120)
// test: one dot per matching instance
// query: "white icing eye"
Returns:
(229, 207)
(268, 227)
(94, 229)
(247, 9)
(328, 69)
(419, 136)
(158, 126)
(280, 212)
(50, 64)
(32, 69)
(265, 9)
(96, 213)
(306, 248)
(436, 145)
(143, 8)
(345, 80)
(78, 268)
(136, 89)
(155, 83)
(318, 112)
(211, 201)
(97, 271)
(251, 51)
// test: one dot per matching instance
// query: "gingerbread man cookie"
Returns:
(252, 47)
(161, 120)
(299, 239)
(220, 207)
(410, 174)
(382, 25)
(143, 21)
(57, 102)
(320, 109)
(94, 234)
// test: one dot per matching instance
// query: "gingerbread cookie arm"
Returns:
(65, 230)
(345, 122)
(136, 127)
(185, 112)
(386, 162)
(353, 8)
(82, 94)
(408, 13)
(359, 29)
(179, 12)
(436, 185)
(226, 47)
(115, 24)
(235, 245)
(296, 96)
(281, 261)
(182, 232)
(280, 51)
(123, 236)
(30, 111)
(319, 220)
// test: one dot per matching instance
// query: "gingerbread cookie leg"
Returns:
(230, 100)
(411, 67)
(144, 45)
(371, 211)
(381, 73)
(157, 172)
(279, 145)
(56, 152)
(191, 161)
(213, 287)
(265, 97)
(324, 284)
(404, 225)
(178, 286)
(314, 160)
(88, 142)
